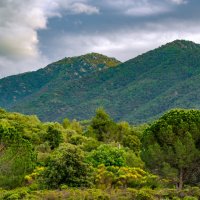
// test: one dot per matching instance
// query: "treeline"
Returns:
(150, 161)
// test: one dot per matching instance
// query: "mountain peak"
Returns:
(92, 58)
(98, 57)
(183, 44)
(94, 54)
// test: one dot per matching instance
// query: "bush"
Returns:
(107, 155)
(54, 136)
(66, 166)
(122, 177)
(77, 139)
(143, 195)
(16, 194)
(132, 160)
(90, 144)
(190, 198)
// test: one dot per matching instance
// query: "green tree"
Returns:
(132, 142)
(54, 136)
(102, 125)
(66, 166)
(17, 157)
(108, 155)
(128, 136)
(73, 125)
(171, 145)
(66, 123)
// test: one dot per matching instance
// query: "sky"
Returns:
(34, 33)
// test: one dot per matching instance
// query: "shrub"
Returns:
(107, 155)
(54, 136)
(66, 166)
(122, 177)
(190, 198)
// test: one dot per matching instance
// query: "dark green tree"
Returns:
(171, 145)
(66, 166)
(54, 136)
(102, 125)
(128, 136)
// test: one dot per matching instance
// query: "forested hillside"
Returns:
(68, 70)
(99, 158)
(138, 90)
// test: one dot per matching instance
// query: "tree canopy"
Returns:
(171, 145)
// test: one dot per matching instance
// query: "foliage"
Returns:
(128, 136)
(123, 177)
(17, 157)
(30, 178)
(112, 155)
(133, 160)
(106, 130)
(171, 145)
(54, 137)
(85, 194)
(90, 144)
(102, 125)
(29, 127)
(66, 166)
(107, 155)
(72, 160)
(77, 139)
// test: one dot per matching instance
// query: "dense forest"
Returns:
(100, 158)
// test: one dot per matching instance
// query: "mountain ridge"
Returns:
(37, 79)
(136, 90)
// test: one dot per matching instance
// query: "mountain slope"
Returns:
(137, 90)
(16, 88)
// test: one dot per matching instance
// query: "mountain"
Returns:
(138, 90)
(14, 89)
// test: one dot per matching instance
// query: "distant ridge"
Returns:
(138, 90)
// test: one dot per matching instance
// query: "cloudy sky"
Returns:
(34, 33)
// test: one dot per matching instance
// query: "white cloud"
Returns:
(144, 7)
(179, 2)
(126, 44)
(146, 10)
(79, 8)
(19, 22)
(11, 67)
(138, 8)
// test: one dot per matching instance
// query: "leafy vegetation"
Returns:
(17, 157)
(171, 146)
(66, 166)
(100, 158)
